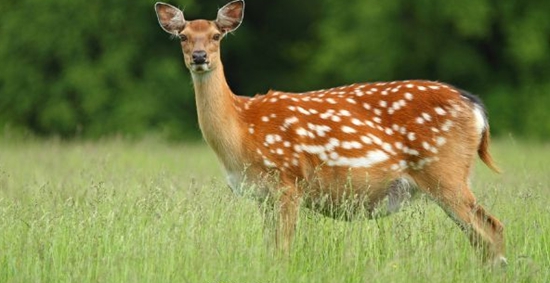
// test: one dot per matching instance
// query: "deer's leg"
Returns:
(280, 218)
(287, 217)
(269, 221)
(484, 230)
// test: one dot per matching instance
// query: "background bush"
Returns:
(94, 68)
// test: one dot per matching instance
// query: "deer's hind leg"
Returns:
(452, 193)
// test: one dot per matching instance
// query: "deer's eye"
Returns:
(183, 37)
(217, 37)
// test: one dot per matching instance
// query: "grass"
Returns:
(115, 211)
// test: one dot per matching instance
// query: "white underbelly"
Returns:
(235, 180)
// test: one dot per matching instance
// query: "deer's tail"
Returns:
(483, 150)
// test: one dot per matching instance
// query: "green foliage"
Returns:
(95, 68)
(90, 68)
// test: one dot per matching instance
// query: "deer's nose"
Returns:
(199, 57)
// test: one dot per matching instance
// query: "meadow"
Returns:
(153, 211)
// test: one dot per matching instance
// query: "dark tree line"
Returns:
(96, 68)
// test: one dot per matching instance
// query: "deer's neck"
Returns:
(218, 118)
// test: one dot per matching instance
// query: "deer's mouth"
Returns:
(200, 68)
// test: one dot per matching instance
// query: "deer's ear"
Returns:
(230, 16)
(170, 18)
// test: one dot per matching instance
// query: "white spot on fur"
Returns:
(332, 143)
(426, 116)
(426, 145)
(376, 139)
(366, 140)
(447, 125)
(268, 163)
(320, 130)
(366, 106)
(348, 130)
(387, 147)
(344, 113)
(351, 100)
(357, 122)
(395, 127)
(440, 111)
(303, 111)
(351, 145)
(270, 139)
(325, 115)
(372, 157)
(301, 132)
(289, 121)
(314, 149)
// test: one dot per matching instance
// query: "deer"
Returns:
(341, 151)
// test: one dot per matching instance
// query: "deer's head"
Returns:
(200, 39)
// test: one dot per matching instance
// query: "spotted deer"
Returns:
(339, 151)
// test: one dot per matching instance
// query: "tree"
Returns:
(95, 68)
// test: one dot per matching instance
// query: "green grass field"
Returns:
(116, 211)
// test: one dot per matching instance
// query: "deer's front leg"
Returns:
(287, 218)
(280, 218)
